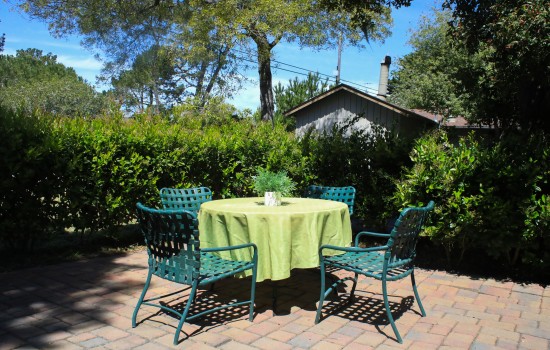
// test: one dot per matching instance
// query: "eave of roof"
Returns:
(344, 87)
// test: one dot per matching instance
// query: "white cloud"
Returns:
(80, 63)
(247, 97)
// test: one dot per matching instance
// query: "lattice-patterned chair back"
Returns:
(389, 262)
(174, 254)
(185, 198)
(404, 236)
(172, 240)
(339, 194)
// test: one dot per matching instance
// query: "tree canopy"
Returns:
(31, 81)
(211, 32)
(514, 90)
(432, 76)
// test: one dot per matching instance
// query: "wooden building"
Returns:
(343, 102)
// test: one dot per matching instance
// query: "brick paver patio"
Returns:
(89, 304)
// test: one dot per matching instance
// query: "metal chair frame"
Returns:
(185, 198)
(339, 194)
(390, 262)
(173, 247)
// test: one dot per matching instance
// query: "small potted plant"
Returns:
(273, 185)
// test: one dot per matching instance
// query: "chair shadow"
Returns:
(300, 291)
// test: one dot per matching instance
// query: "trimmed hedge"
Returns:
(88, 174)
(491, 196)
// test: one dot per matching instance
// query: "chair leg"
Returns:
(388, 311)
(186, 310)
(355, 279)
(322, 296)
(253, 292)
(416, 295)
(141, 297)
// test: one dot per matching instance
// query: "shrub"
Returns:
(491, 196)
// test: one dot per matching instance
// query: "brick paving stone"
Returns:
(371, 338)
(356, 346)
(441, 329)
(500, 333)
(306, 339)
(150, 346)
(495, 291)
(535, 289)
(325, 327)
(497, 324)
(339, 338)
(281, 335)
(506, 344)
(325, 345)
(419, 345)
(434, 339)
(270, 344)
(110, 333)
(459, 340)
(94, 342)
(536, 332)
(129, 342)
(234, 345)
(350, 330)
(89, 305)
(531, 342)
(241, 336)
(210, 338)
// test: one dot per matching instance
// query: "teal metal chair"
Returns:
(339, 194)
(390, 262)
(185, 198)
(173, 246)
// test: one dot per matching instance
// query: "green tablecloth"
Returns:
(287, 236)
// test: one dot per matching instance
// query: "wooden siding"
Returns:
(339, 107)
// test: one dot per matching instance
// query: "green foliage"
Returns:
(29, 181)
(368, 161)
(296, 92)
(87, 174)
(209, 34)
(514, 87)
(431, 77)
(269, 181)
(444, 173)
(491, 197)
(32, 81)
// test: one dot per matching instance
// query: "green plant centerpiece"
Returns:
(273, 186)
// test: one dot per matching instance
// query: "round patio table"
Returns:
(287, 236)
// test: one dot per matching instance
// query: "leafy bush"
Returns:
(30, 191)
(490, 197)
(368, 161)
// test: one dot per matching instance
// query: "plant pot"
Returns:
(272, 199)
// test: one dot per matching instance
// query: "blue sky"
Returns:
(359, 67)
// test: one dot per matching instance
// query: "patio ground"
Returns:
(89, 304)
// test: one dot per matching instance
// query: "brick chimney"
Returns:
(384, 74)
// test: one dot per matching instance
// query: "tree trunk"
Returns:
(267, 104)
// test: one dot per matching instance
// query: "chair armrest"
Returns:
(231, 247)
(234, 247)
(352, 249)
(372, 234)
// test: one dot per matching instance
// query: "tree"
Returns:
(30, 81)
(260, 25)
(432, 76)
(2, 41)
(514, 90)
(296, 92)
(123, 28)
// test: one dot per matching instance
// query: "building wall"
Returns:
(343, 105)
